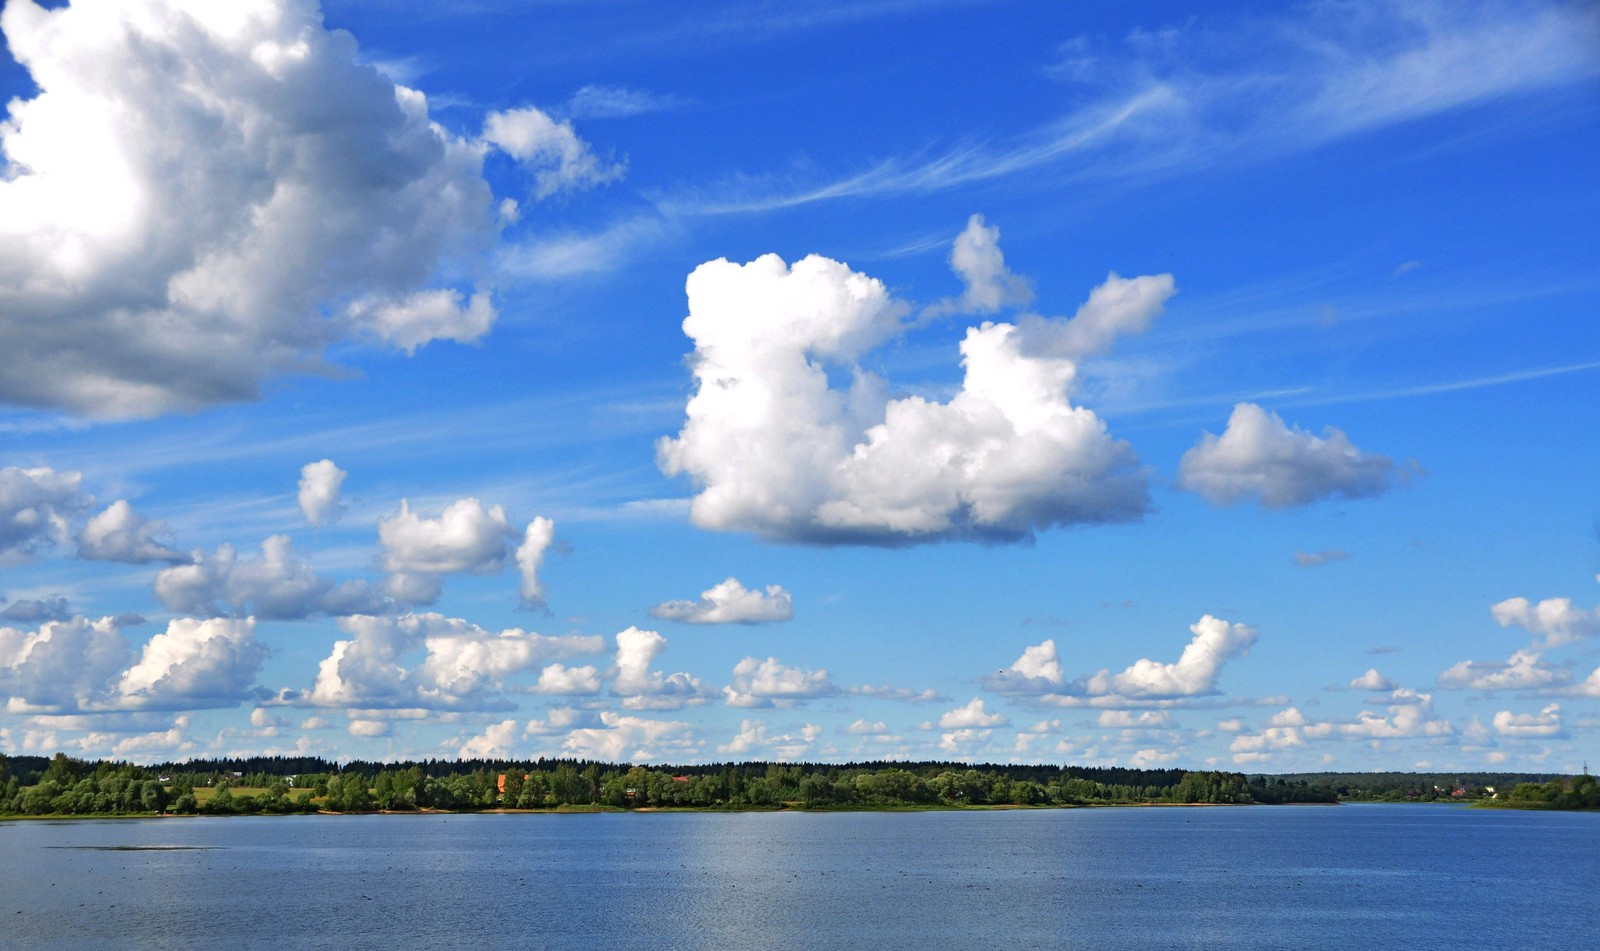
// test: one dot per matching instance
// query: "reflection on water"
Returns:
(1345, 877)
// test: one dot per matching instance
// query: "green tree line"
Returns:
(273, 785)
(66, 786)
(1579, 792)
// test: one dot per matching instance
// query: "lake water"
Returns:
(1347, 877)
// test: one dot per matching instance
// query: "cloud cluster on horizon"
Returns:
(1552, 624)
(198, 198)
(1215, 642)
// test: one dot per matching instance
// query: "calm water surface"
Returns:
(1348, 877)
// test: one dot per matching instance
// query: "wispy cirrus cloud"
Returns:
(1233, 90)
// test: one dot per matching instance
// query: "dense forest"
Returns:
(36, 786)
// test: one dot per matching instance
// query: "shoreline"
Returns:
(621, 810)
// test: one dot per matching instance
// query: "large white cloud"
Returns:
(1524, 670)
(643, 688)
(1215, 642)
(1546, 724)
(971, 716)
(202, 194)
(753, 738)
(465, 660)
(1260, 457)
(35, 505)
(1037, 671)
(769, 683)
(1195, 673)
(1259, 747)
(774, 448)
(195, 663)
(63, 665)
(419, 551)
(462, 666)
(163, 744)
(730, 602)
(964, 742)
(318, 496)
(1410, 715)
(494, 742)
(622, 739)
(1554, 622)
(561, 680)
(559, 720)
(278, 584)
(1589, 687)
(121, 534)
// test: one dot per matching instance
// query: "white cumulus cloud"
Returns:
(644, 689)
(203, 194)
(753, 738)
(1140, 720)
(774, 448)
(1410, 715)
(277, 585)
(562, 680)
(63, 666)
(121, 534)
(971, 716)
(550, 149)
(1262, 458)
(1195, 673)
(35, 505)
(1545, 724)
(1038, 670)
(1258, 747)
(1524, 670)
(977, 259)
(430, 662)
(367, 729)
(1554, 622)
(493, 743)
(419, 551)
(963, 742)
(626, 739)
(265, 722)
(320, 483)
(1372, 680)
(416, 319)
(195, 663)
(729, 602)
(146, 747)
(536, 539)
(558, 720)
(769, 683)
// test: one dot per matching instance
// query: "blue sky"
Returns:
(1107, 386)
